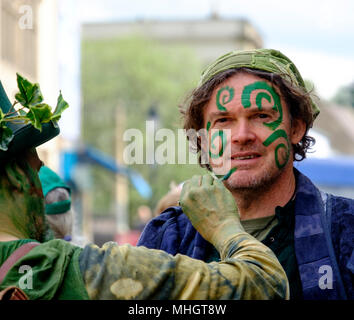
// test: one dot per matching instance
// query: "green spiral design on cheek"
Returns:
(226, 98)
(280, 133)
(214, 156)
(274, 136)
(219, 133)
(269, 96)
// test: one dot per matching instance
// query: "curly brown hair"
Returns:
(298, 101)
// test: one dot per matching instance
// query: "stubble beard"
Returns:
(254, 184)
(249, 185)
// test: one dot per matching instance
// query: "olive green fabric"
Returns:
(261, 59)
(6, 248)
(279, 237)
(248, 270)
(60, 270)
(260, 227)
(55, 270)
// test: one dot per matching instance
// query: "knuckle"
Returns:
(192, 193)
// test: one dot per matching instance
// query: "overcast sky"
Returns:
(318, 35)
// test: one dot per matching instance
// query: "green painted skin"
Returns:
(219, 133)
(21, 202)
(246, 102)
(209, 195)
(274, 136)
(227, 176)
(224, 98)
(221, 152)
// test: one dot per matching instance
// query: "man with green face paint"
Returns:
(260, 98)
(56, 269)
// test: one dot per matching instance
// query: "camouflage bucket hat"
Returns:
(269, 60)
(26, 136)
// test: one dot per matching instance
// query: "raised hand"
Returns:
(211, 208)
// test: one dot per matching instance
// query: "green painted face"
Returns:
(264, 91)
(246, 100)
(224, 96)
(220, 153)
(21, 201)
(269, 96)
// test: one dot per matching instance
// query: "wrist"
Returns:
(225, 232)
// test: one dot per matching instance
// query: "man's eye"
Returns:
(221, 120)
(263, 116)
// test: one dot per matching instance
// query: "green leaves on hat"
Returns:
(33, 110)
(6, 135)
(30, 94)
(61, 106)
(39, 114)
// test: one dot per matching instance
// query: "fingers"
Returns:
(207, 180)
(196, 181)
(201, 181)
(188, 185)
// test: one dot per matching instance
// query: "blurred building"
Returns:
(208, 38)
(28, 45)
(336, 123)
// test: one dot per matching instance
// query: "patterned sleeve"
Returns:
(247, 270)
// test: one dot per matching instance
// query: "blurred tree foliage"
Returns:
(345, 95)
(136, 74)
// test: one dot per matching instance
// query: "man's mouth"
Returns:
(245, 156)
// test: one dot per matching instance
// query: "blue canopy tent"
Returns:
(74, 162)
(335, 175)
(90, 155)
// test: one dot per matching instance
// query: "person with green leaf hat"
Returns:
(255, 104)
(57, 269)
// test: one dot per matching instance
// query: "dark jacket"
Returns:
(323, 240)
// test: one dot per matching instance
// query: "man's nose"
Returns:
(242, 133)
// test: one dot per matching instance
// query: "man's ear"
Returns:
(32, 157)
(298, 130)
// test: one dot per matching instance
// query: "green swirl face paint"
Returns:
(227, 176)
(269, 96)
(222, 135)
(263, 91)
(218, 133)
(224, 96)
(274, 136)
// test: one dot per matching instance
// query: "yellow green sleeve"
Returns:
(248, 270)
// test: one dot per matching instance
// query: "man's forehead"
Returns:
(235, 90)
(240, 80)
